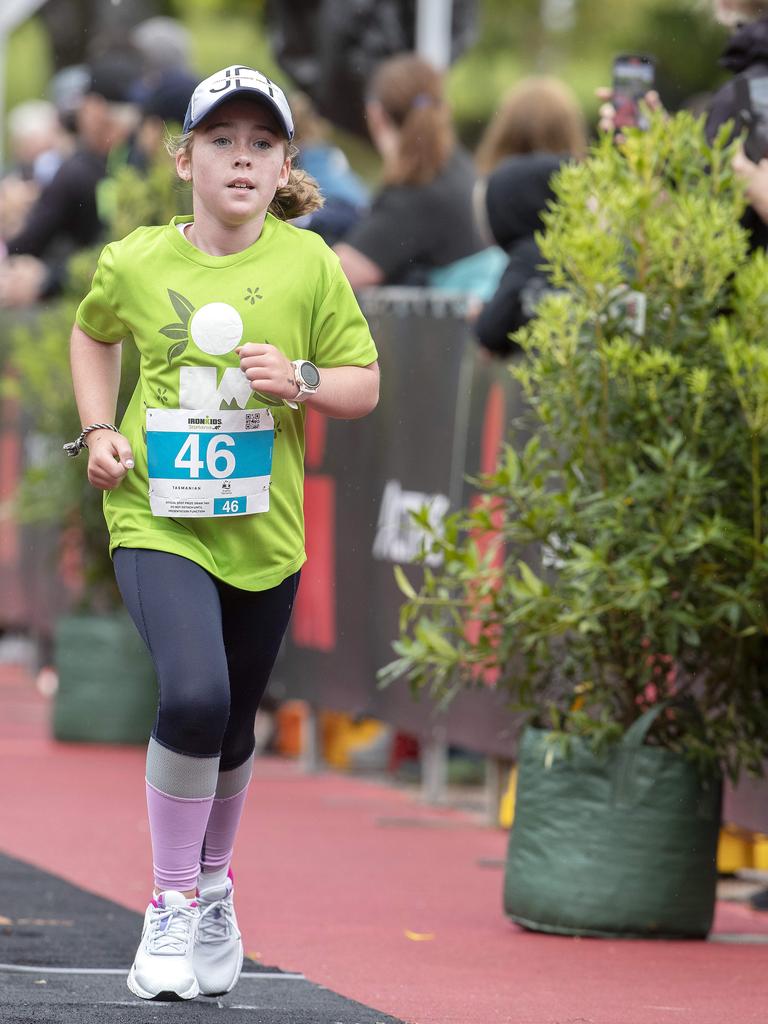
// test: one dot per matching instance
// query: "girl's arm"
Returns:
(345, 392)
(96, 380)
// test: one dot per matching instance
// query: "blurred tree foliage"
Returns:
(514, 39)
(39, 355)
(618, 554)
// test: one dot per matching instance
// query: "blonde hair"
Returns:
(299, 196)
(736, 12)
(411, 94)
(538, 115)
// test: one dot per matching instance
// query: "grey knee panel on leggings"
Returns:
(233, 782)
(179, 775)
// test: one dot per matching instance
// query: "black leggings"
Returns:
(213, 647)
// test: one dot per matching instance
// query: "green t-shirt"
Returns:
(187, 311)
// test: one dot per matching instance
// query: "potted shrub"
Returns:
(106, 686)
(612, 580)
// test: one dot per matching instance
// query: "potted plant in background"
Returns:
(106, 687)
(614, 576)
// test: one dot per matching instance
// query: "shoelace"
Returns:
(170, 929)
(216, 920)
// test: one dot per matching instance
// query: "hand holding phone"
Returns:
(633, 78)
(755, 116)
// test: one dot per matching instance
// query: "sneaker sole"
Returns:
(223, 992)
(164, 995)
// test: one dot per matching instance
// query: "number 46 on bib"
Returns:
(209, 463)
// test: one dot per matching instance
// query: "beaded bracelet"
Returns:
(74, 448)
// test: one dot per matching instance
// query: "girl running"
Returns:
(240, 319)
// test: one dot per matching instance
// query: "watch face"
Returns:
(310, 374)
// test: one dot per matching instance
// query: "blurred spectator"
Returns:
(516, 195)
(163, 91)
(755, 178)
(422, 216)
(746, 55)
(538, 115)
(345, 194)
(162, 110)
(17, 196)
(37, 141)
(37, 145)
(66, 90)
(164, 45)
(66, 217)
(538, 125)
(331, 48)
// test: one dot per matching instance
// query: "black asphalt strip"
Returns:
(65, 952)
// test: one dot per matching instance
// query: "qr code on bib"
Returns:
(252, 420)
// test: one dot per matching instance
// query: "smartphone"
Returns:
(633, 77)
(756, 117)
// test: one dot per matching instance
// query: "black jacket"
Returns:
(746, 55)
(516, 196)
(65, 216)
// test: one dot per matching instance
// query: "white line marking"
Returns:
(26, 969)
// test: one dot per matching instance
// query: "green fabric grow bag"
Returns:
(107, 691)
(624, 845)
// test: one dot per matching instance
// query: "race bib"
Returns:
(209, 463)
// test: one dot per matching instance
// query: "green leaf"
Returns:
(530, 579)
(184, 308)
(430, 635)
(176, 350)
(175, 331)
(404, 583)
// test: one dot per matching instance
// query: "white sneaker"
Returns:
(163, 966)
(218, 955)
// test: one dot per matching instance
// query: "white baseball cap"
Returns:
(233, 81)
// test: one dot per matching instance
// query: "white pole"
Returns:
(12, 14)
(3, 64)
(433, 31)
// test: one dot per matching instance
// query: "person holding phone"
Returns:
(743, 99)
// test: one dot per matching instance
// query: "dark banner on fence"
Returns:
(443, 414)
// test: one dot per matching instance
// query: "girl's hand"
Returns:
(109, 459)
(268, 369)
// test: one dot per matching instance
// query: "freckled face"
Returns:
(236, 163)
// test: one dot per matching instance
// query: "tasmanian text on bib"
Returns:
(204, 463)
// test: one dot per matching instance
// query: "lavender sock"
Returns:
(223, 822)
(180, 792)
(177, 826)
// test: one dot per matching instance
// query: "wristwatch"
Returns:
(307, 377)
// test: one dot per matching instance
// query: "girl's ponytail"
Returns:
(411, 93)
(426, 142)
(300, 195)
